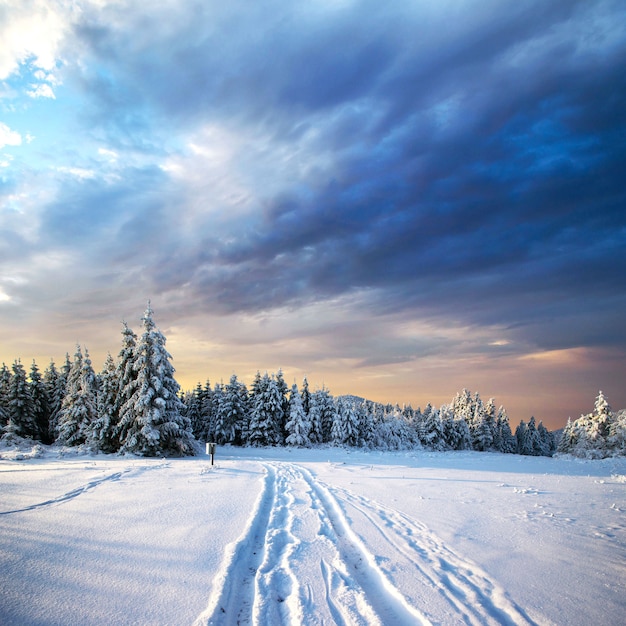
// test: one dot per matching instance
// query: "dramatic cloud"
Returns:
(390, 184)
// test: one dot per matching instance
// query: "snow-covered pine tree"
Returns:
(104, 428)
(193, 411)
(305, 394)
(21, 422)
(267, 418)
(547, 446)
(366, 423)
(283, 408)
(394, 432)
(589, 435)
(521, 438)
(617, 434)
(456, 431)
(208, 408)
(157, 426)
(483, 426)
(505, 440)
(326, 406)
(127, 382)
(315, 419)
(79, 407)
(261, 426)
(55, 395)
(222, 431)
(5, 385)
(345, 429)
(242, 411)
(298, 426)
(567, 441)
(601, 420)
(231, 412)
(432, 430)
(41, 404)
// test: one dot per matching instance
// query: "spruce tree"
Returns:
(315, 419)
(22, 421)
(193, 411)
(504, 438)
(298, 426)
(54, 392)
(79, 406)
(5, 385)
(267, 417)
(126, 382)
(208, 408)
(153, 421)
(327, 410)
(305, 394)
(345, 430)
(41, 404)
(104, 428)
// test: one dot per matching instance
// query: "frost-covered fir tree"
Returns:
(231, 412)
(315, 419)
(394, 432)
(617, 434)
(589, 436)
(41, 404)
(126, 375)
(283, 391)
(327, 410)
(366, 421)
(153, 423)
(193, 411)
(21, 422)
(305, 394)
(104, 428)
(79, 407)
(55, 391)
(5, 384)
(431, 432)
(298, 426)
(266, 418)
(345, 430)
(208, 407)
(483, 426)
(456, 431)
(601, 419)
(504, 440)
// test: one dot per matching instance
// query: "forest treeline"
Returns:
(135, 405)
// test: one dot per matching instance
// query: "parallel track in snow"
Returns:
(299, 561)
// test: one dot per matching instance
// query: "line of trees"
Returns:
(598, 434)
(134, 405)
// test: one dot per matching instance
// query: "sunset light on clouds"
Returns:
(395, 200)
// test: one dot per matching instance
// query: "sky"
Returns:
(397, 200)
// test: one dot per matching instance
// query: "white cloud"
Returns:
(79, 172)
(43, 90)
(110, 155)
(31, 30)
(9, 137)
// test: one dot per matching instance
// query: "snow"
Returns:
(311, 536)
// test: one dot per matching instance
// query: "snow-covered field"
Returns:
(316, 536)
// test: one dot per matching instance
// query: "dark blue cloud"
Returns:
(461, 162)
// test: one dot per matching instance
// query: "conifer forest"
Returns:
(135, 405)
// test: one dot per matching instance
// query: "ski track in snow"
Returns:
(300, 562)
(74, 493)
(474, 598)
